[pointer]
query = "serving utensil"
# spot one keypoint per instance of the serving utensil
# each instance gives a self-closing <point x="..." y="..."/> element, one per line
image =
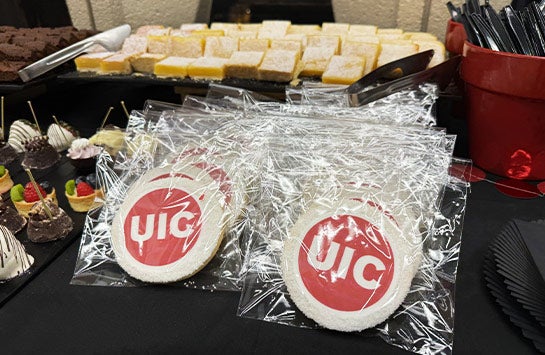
<point x="401" y="67"/>
<point x="441" y="74"/>
<point x="112" y="40"/>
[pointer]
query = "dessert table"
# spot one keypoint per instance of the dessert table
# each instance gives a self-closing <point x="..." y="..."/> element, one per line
<point x="49" y="315"/>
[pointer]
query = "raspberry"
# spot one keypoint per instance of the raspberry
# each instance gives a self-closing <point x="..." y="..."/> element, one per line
<point x="84" y="189"/>
<point x="30" y="194"/>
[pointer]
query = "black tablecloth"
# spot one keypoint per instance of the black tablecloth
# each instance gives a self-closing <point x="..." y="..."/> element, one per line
<point x="51" y="316"/>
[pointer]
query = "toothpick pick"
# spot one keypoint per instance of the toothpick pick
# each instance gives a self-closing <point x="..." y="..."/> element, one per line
<point x="106" y="117"/>
<point x="34" y="115"/>
<point x="125" y="109"/>
<point x="2" y="109"/>
<point x="35" y="185"/>
<point x="60" y="127"/>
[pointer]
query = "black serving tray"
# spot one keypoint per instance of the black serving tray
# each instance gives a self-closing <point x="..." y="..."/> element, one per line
<point x="150" y="79"/>
<point x="43" y="253"/>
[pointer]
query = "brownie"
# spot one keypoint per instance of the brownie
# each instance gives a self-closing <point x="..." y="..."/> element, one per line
<point x="39" y="49"/>
<point x="8" y="70"/>
<point x="14" y="52"/>
<point x="4" y="29"/>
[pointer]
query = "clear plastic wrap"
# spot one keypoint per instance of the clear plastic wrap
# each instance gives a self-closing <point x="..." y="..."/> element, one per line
<point x="329" y="216"/>
<point x="183" y="160"/>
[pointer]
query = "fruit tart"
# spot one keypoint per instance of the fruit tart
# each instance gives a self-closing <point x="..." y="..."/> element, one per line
<point x="81" y="193"/>
<point x="24" y="198"/>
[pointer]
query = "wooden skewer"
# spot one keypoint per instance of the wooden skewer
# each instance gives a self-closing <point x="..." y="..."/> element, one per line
<point x="34" y="115"/>
<point x="2" y="110"/>
<point x="106" y="117"/>
<point x="60" y="127"/>
<point x="35" y="185"/>
<point x="125" y="109"/>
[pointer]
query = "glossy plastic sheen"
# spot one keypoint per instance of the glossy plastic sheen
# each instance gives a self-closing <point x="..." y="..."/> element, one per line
<point x="505" y="105"/>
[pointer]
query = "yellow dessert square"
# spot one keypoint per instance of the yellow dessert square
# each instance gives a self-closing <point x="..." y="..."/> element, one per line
<point x="116" y="64"/>
<point x="189" y="47"/>
<point x="145" y="30"/>
<point x="145" y="62"/>
<point x="207" y="68"/>
<point x="390" y="36"/>
<point x="301" y="37"/>
<point x="158" y="44"/>
<point x="188" y="28"/>
<point x="244" y="65"/>
<point x="343" y="70"/>
<point x="315" y="60"/>
<point x="288" y="45"/>
<point x="207" y="33"/>
<point x="325" y="41"/>
<point x="363" y="38"/>
<point x="91" y="61"/>
<point x="272" y="29"/>
<point x="419" y="35"/>
<point x="135" y="44"/>
<point x="369" y="51"/>
<point x="253" y="44"/>
<point x="394" y="50"/>
<point x="278" y="65"/>
<point x="224" y="26"/>
<point x="389" y="31"/>
<point x="253" y="27"/>
<point x="335" y="28"/>
<point x="362" y="29"/>
<point x="221" y="47"/>
<point x="305" y="29"/>
<point x="240" y="34"/>
<point x="438" y="48"/>
<point x="173" y="67"/>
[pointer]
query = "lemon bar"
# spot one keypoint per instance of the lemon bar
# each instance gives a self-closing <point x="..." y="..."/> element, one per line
<point x="91" y="61"/>
<point x="158" y="44"/>
<point x="145" y="62"/>
<point x="305" y="29"/>
<point x="278" y="65"/>
<point x="335" y="28"/>
<point x="369" y="51"/>
<point x="394" y="50"/>
<point x="253" y="44"/>
<point x="189" y="47"/>
<point x="419" y="36"/>
<point x="273" y="29"/>
<point x="343" y="70"/>
<point x="188" y="28"/>
<point x="363" y="29"/>
<point x="135" y="44"/>
<point x="207" y="68"/>
<point x="224" y="26"/>
<point x="254" y="27"/>
<point x="244" y="65"/>
<point x="438" y="50"/>
<point x="207" y="33"/>
<point x="389" y="31"/>
<point x="116" y="64"/>
<point x="325" y="41"/>
<point x="173" y="66"/>
<point x="289" y="45"/>
<point x="146" y="29"/>
<point x="221" y="47"/>
<point x="240" y="34"/>
<point x="315" y="60"/>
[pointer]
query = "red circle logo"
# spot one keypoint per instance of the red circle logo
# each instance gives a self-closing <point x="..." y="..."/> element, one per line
<point x="162" y="226"/>
<point x="346" y="263"/>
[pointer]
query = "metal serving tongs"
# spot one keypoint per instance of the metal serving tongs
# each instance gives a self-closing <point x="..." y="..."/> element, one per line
<point x="441" y="74"/>
<point x="112" y="40"/>
<point x="401" y="67"/>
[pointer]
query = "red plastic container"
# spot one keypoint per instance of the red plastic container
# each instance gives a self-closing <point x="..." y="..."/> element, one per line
<point x="455" y="37"/>
<point x="505" y="109"/>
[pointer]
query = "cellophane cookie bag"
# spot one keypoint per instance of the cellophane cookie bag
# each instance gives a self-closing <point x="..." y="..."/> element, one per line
<point x="172" y="162"/>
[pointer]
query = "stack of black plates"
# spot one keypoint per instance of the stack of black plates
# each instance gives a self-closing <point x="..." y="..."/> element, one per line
<point x="514" y="270"/>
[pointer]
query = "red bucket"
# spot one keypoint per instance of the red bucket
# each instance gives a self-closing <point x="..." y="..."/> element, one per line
<point x="455" y="37"/>
<point x="505" y="109"/>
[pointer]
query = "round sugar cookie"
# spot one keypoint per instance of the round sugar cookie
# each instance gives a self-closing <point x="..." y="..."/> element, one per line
<point x="347" y="265"/>
<point x="168" y="230"/>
